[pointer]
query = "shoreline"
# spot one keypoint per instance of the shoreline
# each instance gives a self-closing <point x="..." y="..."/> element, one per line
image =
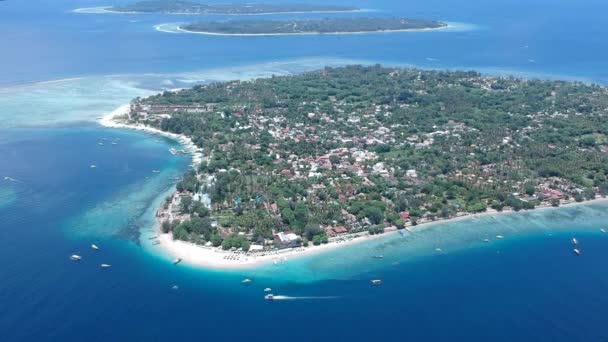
<point x="180" y="29"/>
<point x="105" y="9"/>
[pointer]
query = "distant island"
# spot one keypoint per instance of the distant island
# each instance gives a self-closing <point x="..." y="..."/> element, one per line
<point x="190" y="7"/>
<point x="326" y="156"/>
<point x="312" y="26"/>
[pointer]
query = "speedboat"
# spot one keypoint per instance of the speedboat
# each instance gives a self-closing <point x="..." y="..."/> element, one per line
<point x="376" y="282"/>
<point x="95" y="247"/>
<point x="177" y="261"/>
<point x="574" y="241"/>
<point x="246" y="281"/>
<point x="269" y="296"/>
<point x="576" y="251"/>
<point x="105" y="265"/>
<point x="75" y="257"/>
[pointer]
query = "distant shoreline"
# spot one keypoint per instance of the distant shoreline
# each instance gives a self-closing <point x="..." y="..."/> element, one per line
<point x="180" y="29"/>
<point x="107" y="9"/>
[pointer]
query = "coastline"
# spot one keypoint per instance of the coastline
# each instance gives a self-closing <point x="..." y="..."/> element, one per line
<point x="180" y="29"/>
<point x="217" y="259"/>
<point x="105" y="9"/>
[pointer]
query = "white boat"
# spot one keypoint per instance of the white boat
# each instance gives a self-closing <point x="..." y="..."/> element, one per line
<point x="376" y="282"/>
<point x="95" y="247"/>
<point x="177" y="261"/>
<point x="155" y="171"/>
<point x="268" y="289"/>
<point x="602" y="230"/>
<point x="100" y="144"/>
<point x="269" y="296"/>
<point x="93" y="166"/>
<point x="438" y="249"/>
<point x="246" y="281"/>
<point x="105" y="265"/>
<point x="486" y="240"/>
<point x="114" y="143"/>
<point x="576" y="251"/>
<point x="500" y="237"/>
<point x="75" y="257"/>
<point x="574" y="241"/>
<point x="175" y="287"/>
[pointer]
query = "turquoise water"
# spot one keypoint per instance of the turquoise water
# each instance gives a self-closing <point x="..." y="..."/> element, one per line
<point x="527" y="286"/>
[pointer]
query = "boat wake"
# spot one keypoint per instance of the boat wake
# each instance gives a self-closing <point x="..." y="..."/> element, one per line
<point x="303" y="297"/>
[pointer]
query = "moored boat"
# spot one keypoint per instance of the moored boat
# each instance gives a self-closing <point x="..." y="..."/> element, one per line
<point x="378" y="256"/>
<point x="95" y="247"/>
<point x="177" y="261"/>
<point x="268" y="289"/>
<point x="269" y="296"/>
<point x="602" y="230"/>
<point x="105" y="265"/>
<point x="574" y="241"/>
<point x="500" y="237"/>
<point x="75" y="257"/>
<point x="576" y="251"/>
<point x="246" y="281"/>
<point x="376" y="281"/>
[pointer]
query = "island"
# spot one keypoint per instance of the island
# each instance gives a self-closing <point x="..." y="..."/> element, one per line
<point x="190" y="7"/>
<point x="311" y="26"/>
<point x="295" y="162"/>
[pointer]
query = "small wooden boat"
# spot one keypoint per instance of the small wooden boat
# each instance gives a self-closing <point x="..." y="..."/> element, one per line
<point x="576" y="251"/>
<point x="75" y="257"/>
<point x="376" y="282"/>
<point x="105" y="265"/>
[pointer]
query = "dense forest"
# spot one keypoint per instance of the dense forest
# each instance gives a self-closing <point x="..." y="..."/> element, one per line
<point x="328" y="25"/>
<point x="191" y="7"/>
<point x="371" y="147"/>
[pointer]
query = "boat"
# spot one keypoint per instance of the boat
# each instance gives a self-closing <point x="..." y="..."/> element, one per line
<point x="173" y="151"/>
<point x="153" y="237"/>
<point x="269" y="296"/>
<point x="155" y="171"/>
<point x="75" y="257"/>
<point x="95" y="247"/>
<point x="576" y="251"/>
<point x="378" y="256"/>
<point x="574" y="241"/>
<point x="105" y="265"/>
<point x="175" y="287"/>
<point x="408" y="229"/>
<point x="100" y="144"/>
<point x="246" y="281"/>
<point x="438" y="249"/>
<point x="177" y="261"/>
<point x="486" y="240"/>
<point x="500" y="237"/>
<point x="268" y="289"/>
<point x="93" y="166"/>
<point x="602" y="230"/>
<point x="114" y="143"/>
<point x="376" y="282"/>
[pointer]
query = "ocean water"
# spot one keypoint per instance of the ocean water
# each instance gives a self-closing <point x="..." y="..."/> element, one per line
<point x="61" y="70"/>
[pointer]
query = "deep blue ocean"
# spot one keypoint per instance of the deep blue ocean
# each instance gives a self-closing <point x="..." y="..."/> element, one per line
<point x="60" y="70"/>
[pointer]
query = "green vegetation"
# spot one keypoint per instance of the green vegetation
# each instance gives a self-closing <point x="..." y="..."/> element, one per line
<point x="191" y="7"/>
<point x="363" y="148"/>
<point x="327" y="25"/>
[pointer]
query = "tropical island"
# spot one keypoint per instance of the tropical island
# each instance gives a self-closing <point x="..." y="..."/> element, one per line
<point x="357" y="151"/>
<point x="191" y="7"/>
<point x="311" y="26"/>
